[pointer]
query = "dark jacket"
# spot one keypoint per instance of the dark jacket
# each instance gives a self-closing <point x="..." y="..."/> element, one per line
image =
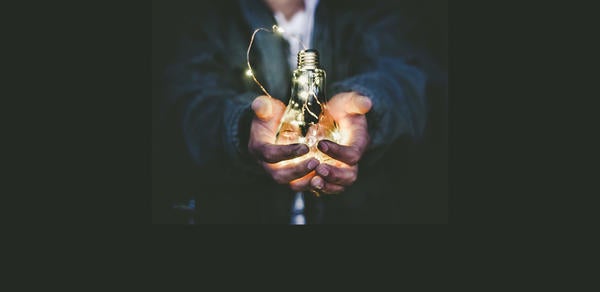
<point x="211" y="97"/>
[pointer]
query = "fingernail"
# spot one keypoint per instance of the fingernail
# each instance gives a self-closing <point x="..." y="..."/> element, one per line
<point x="302" y="149"/>
<point x="323" y="146"/>
<point x="364" y="102"/>
<point x="312" y="164"/>
<point x="323" y="171"/>
<point x="257" y="104"/>
<point x="318" y="182"/>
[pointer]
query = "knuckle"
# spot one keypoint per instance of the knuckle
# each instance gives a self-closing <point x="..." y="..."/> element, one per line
<point x="353" y="159"/>
<point x="269" y="158"/>
<point x="353" y="156"/>
<point x="335" y="191"/>
<point x="333" y="174"/>
<point x="268" y="154"/>
<point x="334" y="147"/>
<point x="252" y="147"/>
<point x="300" y="169"/>
<point x="290" y="150"/>
<point x="279" y="178"/>
<point x="353" y="177"/>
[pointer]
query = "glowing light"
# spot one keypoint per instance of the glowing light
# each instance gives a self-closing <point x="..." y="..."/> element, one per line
<point x="275" y="30"/>
<point x="284" y="163"/>
<point x="303" y="79"/>
<point x="336" y="136"/>
<point x="303" y="95"/>
<point x="278" y="29"/>
<point x="312" y="140"/>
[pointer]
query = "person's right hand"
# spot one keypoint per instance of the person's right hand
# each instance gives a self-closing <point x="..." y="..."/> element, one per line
<point x="276" y="159"/>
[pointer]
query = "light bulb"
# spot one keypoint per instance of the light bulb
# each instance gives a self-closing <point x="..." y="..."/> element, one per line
<point x="306" y="118"/>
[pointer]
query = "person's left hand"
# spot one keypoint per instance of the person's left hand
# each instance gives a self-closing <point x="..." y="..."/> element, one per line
<point x="348" y="109"/>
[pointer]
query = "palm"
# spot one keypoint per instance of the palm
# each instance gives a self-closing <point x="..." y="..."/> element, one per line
<point x="339" y="168"/>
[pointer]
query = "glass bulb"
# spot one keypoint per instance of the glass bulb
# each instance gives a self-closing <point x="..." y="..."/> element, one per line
<point x="306" y="118"/>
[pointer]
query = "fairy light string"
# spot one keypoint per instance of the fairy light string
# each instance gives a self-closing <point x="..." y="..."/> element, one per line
<point x="277" y="31"/>
<point x="250" y="71"/>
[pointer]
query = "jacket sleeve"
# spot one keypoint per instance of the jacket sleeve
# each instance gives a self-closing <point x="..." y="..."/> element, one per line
<point x="382" y="68"/>
<point x="212" y="107"/>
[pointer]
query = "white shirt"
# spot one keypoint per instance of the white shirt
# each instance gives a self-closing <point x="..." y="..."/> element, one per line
<point x="300" y="25"/>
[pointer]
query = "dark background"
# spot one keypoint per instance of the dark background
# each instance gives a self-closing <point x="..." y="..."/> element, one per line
<point x="426" y="25"/>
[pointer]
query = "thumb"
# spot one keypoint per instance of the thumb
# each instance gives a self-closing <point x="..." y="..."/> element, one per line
<point x="358" y="105"/>
<point x="262" y="107"/>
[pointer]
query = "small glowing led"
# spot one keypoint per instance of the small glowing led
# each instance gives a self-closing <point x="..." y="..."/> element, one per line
<point x="303" y="79"/>
<point x="311" y="141"/>
<point x="249" y="73"/>
<point x="303" y="95"/>
<point x="336" y="136"/>
<point x="278" y="29"/>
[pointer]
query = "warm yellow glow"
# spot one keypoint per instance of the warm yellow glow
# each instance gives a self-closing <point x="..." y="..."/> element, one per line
<point x="285" y="163"/>
<point x="249" y="73"/>
<point x="303" y="79"/>
<point x="336" y="136"/>
<point x="303" y="95"/>
<point x="278" y="29"/>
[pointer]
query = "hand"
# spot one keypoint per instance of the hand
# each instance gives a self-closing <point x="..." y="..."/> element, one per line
<point x="275" y="159"/>
<point x="348" y="109"/>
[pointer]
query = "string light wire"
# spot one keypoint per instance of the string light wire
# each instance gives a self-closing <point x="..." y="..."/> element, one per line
<point x="275" y="30"/>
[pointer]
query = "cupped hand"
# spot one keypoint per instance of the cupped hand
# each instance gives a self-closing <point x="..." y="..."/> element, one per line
<point x="334" y="175"/>
<point x="282" y="162"/>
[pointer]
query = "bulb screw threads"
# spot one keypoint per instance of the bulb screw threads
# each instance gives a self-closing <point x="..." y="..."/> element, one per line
<point x="308" y="59"/>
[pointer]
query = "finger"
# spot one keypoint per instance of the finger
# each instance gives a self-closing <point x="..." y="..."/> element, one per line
<point x="358" y="105"/>
<point x="272" y="153"/>
<point x="262" y="107"/>
<point x="324" y="187"/>
<point x="286" y="174"/>
<point x="344" y="176"/>
<point x="347" y="154"/>
<point x="349" y="103"/>
<point x="354" y="131"/>
<point x="267" y="108"/>
<point x="302" y="184"/>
